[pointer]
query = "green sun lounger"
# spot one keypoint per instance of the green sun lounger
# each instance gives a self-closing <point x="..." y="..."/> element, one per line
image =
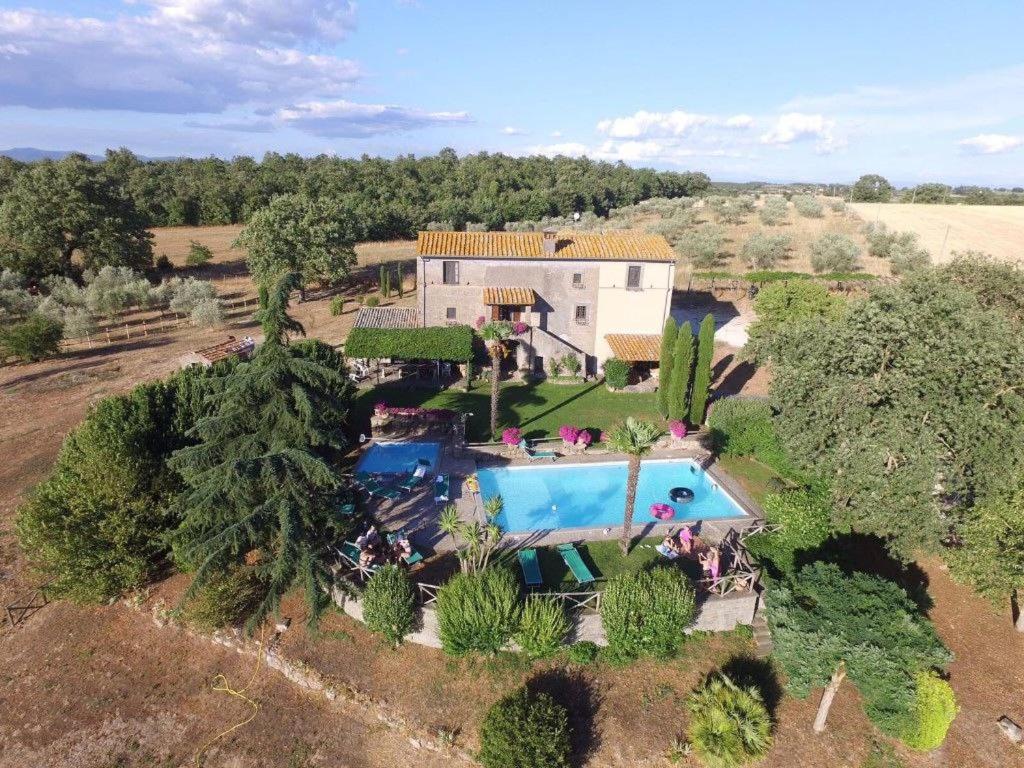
<point x="347" y="510"/>
<point x="350" y="552"/>
<point x="411" y="559"/>
<point x="574" y="560"/>
<point x="533" y="453"/>
<point x="416" y="477"/>
<point x="530" y="566"/>
<point x="442" y="488"/>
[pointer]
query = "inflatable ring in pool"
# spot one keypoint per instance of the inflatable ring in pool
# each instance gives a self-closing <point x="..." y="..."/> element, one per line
<point x="662" y="511"/>
<point x="681" y="495"/>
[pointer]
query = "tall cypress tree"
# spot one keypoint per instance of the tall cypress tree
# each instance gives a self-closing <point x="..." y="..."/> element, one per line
<point x="682" y="370"/>
<point x="262" y="483"/>
<point x="702" y="374"/>
<point x="668" y="343"/>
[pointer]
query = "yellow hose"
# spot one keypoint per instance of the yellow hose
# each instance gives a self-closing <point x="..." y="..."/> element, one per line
<point x="220" y="683"/>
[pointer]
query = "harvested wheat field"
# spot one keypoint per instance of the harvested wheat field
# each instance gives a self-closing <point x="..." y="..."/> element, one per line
<point x="943" y="229"/>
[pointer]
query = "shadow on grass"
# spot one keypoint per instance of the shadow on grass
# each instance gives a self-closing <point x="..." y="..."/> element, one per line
<point x="579" y="694"/>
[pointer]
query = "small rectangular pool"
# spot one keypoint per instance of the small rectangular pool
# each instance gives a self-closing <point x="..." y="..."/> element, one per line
<point x="594" y="495"/>
<point x="399" y="457"/>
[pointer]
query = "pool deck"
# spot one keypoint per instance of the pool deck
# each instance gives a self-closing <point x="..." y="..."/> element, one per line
<point x="418" y="513"/>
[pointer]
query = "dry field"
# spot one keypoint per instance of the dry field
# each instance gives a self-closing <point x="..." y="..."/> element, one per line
<point x="943" y="229"/>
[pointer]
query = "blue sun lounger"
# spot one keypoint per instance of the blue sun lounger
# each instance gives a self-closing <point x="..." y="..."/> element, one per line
<point x="530" y="566"/>
<point x="574" y="560"/>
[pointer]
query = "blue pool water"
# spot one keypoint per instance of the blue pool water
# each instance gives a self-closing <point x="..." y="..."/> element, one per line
<point x="594" y="495"/>
<point x="398" y="458"/>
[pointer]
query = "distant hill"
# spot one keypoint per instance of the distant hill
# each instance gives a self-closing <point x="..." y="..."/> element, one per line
<point x="31" y="154"/>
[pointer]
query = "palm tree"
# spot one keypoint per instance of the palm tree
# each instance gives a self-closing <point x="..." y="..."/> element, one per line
<point x="495" y="334"/>
<point x="636" y="439"/>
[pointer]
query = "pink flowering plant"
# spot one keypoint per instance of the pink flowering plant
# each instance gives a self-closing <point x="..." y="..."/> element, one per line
<point x="584" y="437"/>
<point x="480" y="322"/>
<point x="511" y="436"/>
<point x="380" y="409"/>
<point x="568" y="433"/>
<point x="426" y="414"/>
<point x="677" y="429"/>
<point x="519" y="328"/>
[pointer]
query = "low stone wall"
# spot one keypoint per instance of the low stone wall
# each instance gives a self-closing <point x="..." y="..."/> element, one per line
<point x="718" y="613"/>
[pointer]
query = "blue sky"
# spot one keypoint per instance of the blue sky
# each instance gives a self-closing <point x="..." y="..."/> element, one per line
<point x="742" y="90"/>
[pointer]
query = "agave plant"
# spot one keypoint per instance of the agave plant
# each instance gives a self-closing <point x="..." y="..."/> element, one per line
<point x="729" y="724"/>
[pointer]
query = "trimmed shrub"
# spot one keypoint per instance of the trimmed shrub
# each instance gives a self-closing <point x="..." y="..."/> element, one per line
<point x="371" y="300"/>
<point x="572" y="364"/>
<point x="702" y="370"/>
<point x="454" y="343"/>
<point x="337" y="305"/>
<point x="804" y="518"/>
<point x="934" y="710"/>
<point x="389" y="604"/>
<point x="808" y="206"/>
<point x="198" y="254"/>
<point x="645" y="613"/>
<point x="525" y="731"/>
<point x="583" y="652"/>
<point x="729" y="725"/>
<point x="834" y="252"/>
<point x="743" y="426"/>
<point x="678" y="396"/>
<point x="763" y="251"/>
<point x="224" y="601"/>
<point x="478" y="611"/>
<point x="32" y="339"/>
<point x="616" y="373"/>
<point x="542" y="627"/>
<point x="774" y="211"/>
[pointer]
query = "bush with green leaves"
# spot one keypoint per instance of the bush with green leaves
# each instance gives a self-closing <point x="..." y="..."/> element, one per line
<point x="774" y="211"/>
<point x="729" y="724"/>
<point x="337" y="305"/>
<point x="825" y="622"/>
<point x="97" y="524"/>
<point x="808" y="206"/>
<point x="702" y="245"/>
<point x="190" y="293"/>
<point x="31" y="339"/>
<point x="198" y="254"/>
<point x="763" y="251"/>
<point x="803" y="518"/>
<point x="906" y="255"/>
<point x="934" y="709"/>
<point x="583" y="652"/>
<point x="616" y="373"/>
<point x="744" y="426"/>
<point x="879" y="239"/>
<point x="555" y="366"/>
<point x="478" y="612"/>
<point x="543" y="626"/>
<point x="224" y="601"/>
<point x="782" y="307"/>
<point x="646" y="613"/>
<point x="835" y="252"/>
<point x="207" y="313"/>
<point x="837" y="206"/>
<point x="572" y="364"/>
<point x="525" y="730"/>
<point x="389" y="605"/>
<point x="114" y="289"/>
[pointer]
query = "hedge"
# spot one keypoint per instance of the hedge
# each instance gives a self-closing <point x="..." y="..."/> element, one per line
<point x="454" y="343"/>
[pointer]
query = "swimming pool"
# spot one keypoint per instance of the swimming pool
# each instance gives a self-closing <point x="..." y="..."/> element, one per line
<point x="594" y="495"/>
<point x="398" y="458"/>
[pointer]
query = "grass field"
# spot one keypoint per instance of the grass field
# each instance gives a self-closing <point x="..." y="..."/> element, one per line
<point x="943" y="229"/>
<point x="538" y="409"/>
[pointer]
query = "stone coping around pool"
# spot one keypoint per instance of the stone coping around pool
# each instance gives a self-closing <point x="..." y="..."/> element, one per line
<point x="715" y="613"/>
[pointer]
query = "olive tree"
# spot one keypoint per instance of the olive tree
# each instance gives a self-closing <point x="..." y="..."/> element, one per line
<point x="834" y="252"/>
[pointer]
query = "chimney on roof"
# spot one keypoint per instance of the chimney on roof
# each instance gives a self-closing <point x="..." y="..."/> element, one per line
<point x="550" y="240"/>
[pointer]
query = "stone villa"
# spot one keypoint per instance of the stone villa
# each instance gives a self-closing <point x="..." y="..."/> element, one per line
<point x="595" y="295"/>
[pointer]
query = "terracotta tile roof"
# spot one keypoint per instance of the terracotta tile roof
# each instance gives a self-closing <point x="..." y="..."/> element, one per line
<point x="387" y="317"/>
<point x="635" y="347"/>
<point x="605" y="246"/>
<point x="209" y="355"/>
<point x="515" y="296"/>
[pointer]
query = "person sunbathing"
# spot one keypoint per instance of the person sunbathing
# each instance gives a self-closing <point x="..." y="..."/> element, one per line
<point x="401" y="548"/>
<point x="685" y="540"/>
<point x="670" y="547"/>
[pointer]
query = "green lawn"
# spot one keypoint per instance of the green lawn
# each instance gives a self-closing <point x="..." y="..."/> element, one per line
<point x="605" y="560"/>
<point x="756" y="478"/>
<point x="538" y="409"/>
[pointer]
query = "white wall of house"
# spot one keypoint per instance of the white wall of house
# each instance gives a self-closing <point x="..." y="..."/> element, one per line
<point x="632" y="310"/>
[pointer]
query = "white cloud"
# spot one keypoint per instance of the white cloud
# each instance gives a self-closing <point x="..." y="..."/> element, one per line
<point x="991" y="143"/>
<point x="556" y="134"/>
<point x="667" y="151"/>
<point x="643" y="123"/>
<point x="509" y="130"/>
<point x="261" y="21"/>
<point x="164" y="62"/>
<point x="738" y="121"/>
<point x="346" y="119"/>
<point x="799" y="126"/>
<point x="567" y="148"/>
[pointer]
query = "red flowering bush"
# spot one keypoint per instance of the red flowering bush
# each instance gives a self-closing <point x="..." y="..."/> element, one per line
<point x="678" y="429"/>
<point x="568" y="433"/>
<point x="511" y="436"/>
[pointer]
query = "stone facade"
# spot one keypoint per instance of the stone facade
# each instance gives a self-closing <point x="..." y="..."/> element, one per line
<point x="578" y="302"/>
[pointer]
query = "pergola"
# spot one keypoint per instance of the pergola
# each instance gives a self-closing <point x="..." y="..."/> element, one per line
<point x="635" y="347"/>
